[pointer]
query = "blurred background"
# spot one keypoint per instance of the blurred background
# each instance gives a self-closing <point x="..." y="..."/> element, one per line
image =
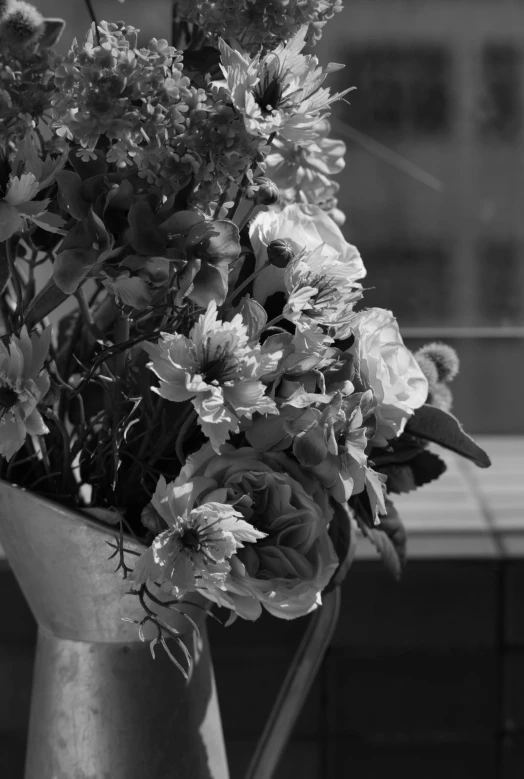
<point x="425" y="676"/>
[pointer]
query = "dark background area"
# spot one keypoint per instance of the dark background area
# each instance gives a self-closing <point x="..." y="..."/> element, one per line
<point x="423" y="678"/>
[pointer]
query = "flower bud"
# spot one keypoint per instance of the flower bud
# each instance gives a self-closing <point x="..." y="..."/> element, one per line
<point x="280" y="253"/>
<point x="262" y="191"/>
<point x="23" y="24"/>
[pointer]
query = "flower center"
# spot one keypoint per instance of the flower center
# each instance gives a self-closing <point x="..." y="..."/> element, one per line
<point x="218" y="364"/>
<point x="8" y="398"/>
<point x="191" y="538"/>
<point x="268" y="94"/>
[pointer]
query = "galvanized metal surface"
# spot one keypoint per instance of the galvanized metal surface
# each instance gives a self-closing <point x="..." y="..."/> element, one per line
<point x="102" y="708"/>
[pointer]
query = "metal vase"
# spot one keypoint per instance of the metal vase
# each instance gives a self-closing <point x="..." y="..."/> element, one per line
<point x="101" y="707"/>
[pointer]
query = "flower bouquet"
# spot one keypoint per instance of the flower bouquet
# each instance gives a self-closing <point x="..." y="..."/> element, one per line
<point x="185" y="355"/>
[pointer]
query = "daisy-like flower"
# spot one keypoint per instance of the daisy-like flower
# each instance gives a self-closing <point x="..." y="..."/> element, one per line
<point x="22" y="385"/>
<point x="281" y="92"/>
<point x="322" y="291"/>
<point x="194" y="552"/>
<point x="17" y="204"/>
<point x="219" y="369"/>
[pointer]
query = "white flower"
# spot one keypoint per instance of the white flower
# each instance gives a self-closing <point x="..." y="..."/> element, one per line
<point x="218" y="369"/>
<point x="322" y="291"/>
<point x="193" y="554"/>
<point x="280" y="93"/>
<point x="305" y="227"/>
<point x="389" y="369"/>
<point x="22" y="386"/>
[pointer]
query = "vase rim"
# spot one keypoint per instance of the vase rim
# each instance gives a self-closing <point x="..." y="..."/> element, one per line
<point x="87" y="519"/>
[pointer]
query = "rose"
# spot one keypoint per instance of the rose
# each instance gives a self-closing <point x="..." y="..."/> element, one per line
<point x="389" y="369"/>
<point x="304" y="227"/>
<point x="287" y="569"/>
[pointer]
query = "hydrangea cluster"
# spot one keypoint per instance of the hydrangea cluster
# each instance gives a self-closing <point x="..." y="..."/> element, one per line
<point x="258" y="25"/>
<point x="221" y="385"/>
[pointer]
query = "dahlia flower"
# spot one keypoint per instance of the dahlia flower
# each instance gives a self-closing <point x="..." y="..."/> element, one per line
<point x="279" y="93"/>
<point x="321" y="291"/>
<point x="194" y="552"/>
<point x="22" y="385"/>
<point x="218" y="369"/>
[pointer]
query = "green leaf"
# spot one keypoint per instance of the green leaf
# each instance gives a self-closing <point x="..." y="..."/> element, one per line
<point x="70" y="189"/>
<point x="433" y="424"/>
<point x="144" y="235"/>
<point x="389" y="539"/>
<point x="75" y="257"/>
<point x="49" y="298"/>
<point x="10" y="221"/>
<point x="53" y="29"/>
<point x="253" y="315"/>
<point x="421" y="469"/>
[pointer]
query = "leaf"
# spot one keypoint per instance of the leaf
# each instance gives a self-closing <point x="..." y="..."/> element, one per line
<point x="144" y="235"/>
<point x="254" y="317"/>
<point x="376" y="492"/>
<point x="10" y="221"/>
<point x="433" y="424"/>
<point x="53" y="223"/>
<point x="341" y="532"/>
<point x="49" y="298"/>
<point x="70" y="189"/>
<point x="421" y="469"/>
<point x="389" y="539"/>
<point x="76" y="257"/>
<point x="53" y="29"/>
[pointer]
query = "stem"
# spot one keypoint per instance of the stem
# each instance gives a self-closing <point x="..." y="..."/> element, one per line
<point x="220" y="203"/>
<point x="179" y="445"/>
<point x="244" y="284"/>
<point x="247" y="216"/>
<point x="15" y="278"/>
<point x="65" y="450"/>
<point x="92" y="15"/>
<point x="121" y="336"/>
<point x="273" y="322"/>
<point x="294" y="691"/>
<point x="86" y="313"/>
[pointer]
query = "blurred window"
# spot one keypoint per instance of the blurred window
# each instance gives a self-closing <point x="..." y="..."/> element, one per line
<point x="414" y="281"/>
<point x="400" y="90"/>
<point x="501" y="286"/>
<point x="500" y="107"/>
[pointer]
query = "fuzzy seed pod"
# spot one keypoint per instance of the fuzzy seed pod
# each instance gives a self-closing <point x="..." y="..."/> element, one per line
<point x="428" y="368"/>
<point x="5" y="7"/>
<point x="23" y="25"/>
<point x="440" y="396"/>
<point x="263" y="191"/>
<point x="444" y="357"/>
<point x="280" y="253"/>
